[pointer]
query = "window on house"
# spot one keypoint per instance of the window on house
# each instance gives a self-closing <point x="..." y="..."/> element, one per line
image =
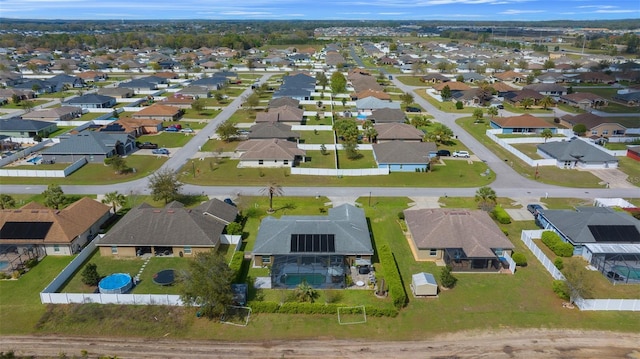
<point x="56" y="248"/>
<point x="187" y="250"/>
<point x="286" y="162"/>
<point x="605" y="132"/>
<point x="433" y="252"/>
<point x="266" y="259"/>
<point x="114" y="249"/>
<point x="594" y="132"/>
<point x="260" y="162"/>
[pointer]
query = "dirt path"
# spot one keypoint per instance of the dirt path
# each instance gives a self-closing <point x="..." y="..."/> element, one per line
<point x="499" y="344"/>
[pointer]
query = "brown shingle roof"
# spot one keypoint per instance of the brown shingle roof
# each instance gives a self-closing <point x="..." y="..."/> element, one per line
<point x="473" y="231"/>
<point x="453" y="86"/>
<point x="158" y="110"/>
<point x="273" y="149"/>
<point x="398" y="131"/>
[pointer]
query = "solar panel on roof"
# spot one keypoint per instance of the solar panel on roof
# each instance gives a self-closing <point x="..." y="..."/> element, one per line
<point x="611" y="233"/>
<point x="25" y="230"/>
<point x="312" y="243"/>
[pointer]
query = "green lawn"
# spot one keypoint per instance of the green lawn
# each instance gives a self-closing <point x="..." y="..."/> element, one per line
<point x="224" y="172"/>
<point x="411" y="80"/>
<point x="19" y="105"/>
<point x="243" y="116"/>
<point x="90" y="116"/>
<point x="167" y="139"/>
<point x="315" y="159"/>
<point x="316" y="137"/>
<point x="205" y="114"/>
<point x="632" y="168"/>
<point x="546" y="174"/>
<point x="214" y="145"/>
<point x="94" y="173"/>
<point x="529" y="149"/>
<point x="364" y="160"/>
<point x="446" y="106"/>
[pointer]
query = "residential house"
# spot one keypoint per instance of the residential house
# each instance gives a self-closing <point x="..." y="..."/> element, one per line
<point x="522" y="124"/>
<point x="139" y="85"/>
<point x="515" y="97"/>
<point x="546" y="89"/>
<point x="400" y="156"/>
<point x="284" y="101"/>
<point x="17" y="127"/>
<point x="298" y="86"/>
<point x="139" y="126"/>
<point x="63" y="113"/>
<point x="597" y="126"/>
<point x="381" y="95"/>
<point x="371" y="103"/>
<point x="607" y="239"/>
<point x="466" y="240"/>
<point x="634" y="152"/>
<point x="628" y="98"/>
<point x="116" y="92"/>
<point x="211" y="83"/>
<point x="316" y="249"/>
<point x="434" y="78"/>
<point x="195" y="92"/>
<point x="397" y="132"/>
<point x="387" y="115"/>
<point x="20" y="95"/>
<point x="170" y="231"/>
<point x="39" y="86"/>
<point x="92" y="101"/>
<point x="93" y="76"/>
<point x="53" y="231"/>
<point x="472" y="97"/>
<point x="286" y="114"/>
<point x="68" y="81"/>
<point x="269" y="153"/>
<point x="268" y="130"/>
<point x="160" y="112"/>
<point x="511" y="76"/>
<point x="584" y="100"/>
<point x="178" y="100"/>
<point x="596" y="78"/>
<point x="94" y="146"/>
<point x="577" y="154"/>
<point x="453" y="86"/>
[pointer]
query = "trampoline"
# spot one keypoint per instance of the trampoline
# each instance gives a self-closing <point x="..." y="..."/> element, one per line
<point x="164" y="277"/>
<point x="117" y="283"/>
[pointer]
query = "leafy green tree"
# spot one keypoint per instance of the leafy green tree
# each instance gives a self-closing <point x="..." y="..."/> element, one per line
<point x="164" y="185"/>
<point x="459" y="78"/>
<point x="338" y="82"/>
<point x="492" y="111"/>
<point x="459" y="105"/>
<point x="305" y="292"/>
<point x="548" y="64"/>
<point x="446" y="277"/>
<point x="577" y="280"/>
<point x="54" y="196"/>
<point x="206" y="283"/>
<point x="114" y="199"/>
<point x="198" y="105"/>
<point x="351" y="148"/>
<point x="252" y="101"/>
<point x="527" y="102"/>
<point x="446" y="93"/>
<point x="547" y="134"/>
<point x="218" y="97"/>
<point x="27" y="105"/>
<point x="486" y="198"/>
<point x="6" y="201"/>
<point x="478" y="114"/>
<point x="323" y="149"/>
<point x="580" y="129"/>
<point x="117" y="163"/>
<point x="371" y="133"/>
<point x="347" y="129"/>
<point x="272" y="189"/>
<point x="227" y="131"/>
<point x="406" y="98"/>
<point x="90" y="275"/>
<point x="322" y="80"/>
<point x="234" y="228"/>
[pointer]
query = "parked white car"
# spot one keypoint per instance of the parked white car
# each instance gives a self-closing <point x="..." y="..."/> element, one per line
<point x="464" y="154"/>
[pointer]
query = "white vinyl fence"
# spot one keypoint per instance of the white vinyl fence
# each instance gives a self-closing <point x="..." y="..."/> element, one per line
<point x="338" y="172"/>
<point x="583" y="304"/>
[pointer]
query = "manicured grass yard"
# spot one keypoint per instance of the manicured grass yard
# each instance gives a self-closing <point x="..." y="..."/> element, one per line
<point x="96" y="173"/>
<point x="529" y="149"/>
<point x="316" y="137"/>
<point x="315" y="159"/>
<point x="167" y="139"/>
<point x="365" y="160"/>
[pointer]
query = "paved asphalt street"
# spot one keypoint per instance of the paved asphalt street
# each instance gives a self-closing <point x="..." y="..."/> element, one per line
<point x="508" y="183"/>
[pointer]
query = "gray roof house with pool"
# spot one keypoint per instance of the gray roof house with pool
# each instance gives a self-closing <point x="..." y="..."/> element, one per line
<point x="315" y="249"/>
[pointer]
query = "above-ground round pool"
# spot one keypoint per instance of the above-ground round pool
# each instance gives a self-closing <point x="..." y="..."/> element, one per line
<point x="116" y="283"/>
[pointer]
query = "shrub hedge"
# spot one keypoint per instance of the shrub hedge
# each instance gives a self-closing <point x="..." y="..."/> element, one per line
<point x="558" y="263"/>
<point x="553" y="241"/>
<point x="520" y="259"/>
<point x="560" y="288"/>
<point x="501" y="215"/>
<point x="236" y="266"/>
<point x="392" y="277"/>
<point x="314" y="308"/>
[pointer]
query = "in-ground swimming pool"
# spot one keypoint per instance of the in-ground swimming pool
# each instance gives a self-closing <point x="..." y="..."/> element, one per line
<point x="35" y="160"/>
<point x="116" y="283"/>
<point x="628" y="272"/>
<point x="3" y="265"/>
<point x="313" y="279"/>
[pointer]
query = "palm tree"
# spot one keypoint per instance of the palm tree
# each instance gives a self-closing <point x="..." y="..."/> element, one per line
<point x="527" y="102"/>
<point x="6" y="201"/>
<point x="272" y="189"/>
<point x="486" y="198"/>
<point x="546" y="102"/>
<point x="305" y="292"/>
<point x="115" y="199"/>
<point x="547" y="134"/>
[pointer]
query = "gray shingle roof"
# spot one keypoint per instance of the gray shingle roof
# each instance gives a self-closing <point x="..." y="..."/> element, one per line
<point x="173" y="225"/>
<point x="88" y="142"/>
<point x="396" y="152"/>
<point x="575" y="150"/>
<point x="574" y="224"/>
<point x="272" y="130"/>
<point x="18" y="124"/>
<point x="346" y="222"/>
<point x="91" y="99"/>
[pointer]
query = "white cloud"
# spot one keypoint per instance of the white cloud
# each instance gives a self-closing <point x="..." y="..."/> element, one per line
<point x="616" y="11"/>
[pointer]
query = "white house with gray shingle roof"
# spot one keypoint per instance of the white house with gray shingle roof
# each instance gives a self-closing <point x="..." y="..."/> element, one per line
<point x="315" y="249"/>
<point x="269" y="153"/>
<point x="400" y="156"/>
<point x="577" y="154"/>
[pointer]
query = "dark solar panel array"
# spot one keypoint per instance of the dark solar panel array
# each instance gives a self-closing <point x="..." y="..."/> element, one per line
<point x="609" y="233"/>
<point x="313" y="243"/>
<point x="25" y="230"/>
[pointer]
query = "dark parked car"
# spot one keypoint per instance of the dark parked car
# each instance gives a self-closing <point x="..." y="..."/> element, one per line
<point x="147" y="146"/>
<point x="229" y="201"/>
<point x="364" y="269"/>
<point x="413" y="109"/>
<point x="443" y="153"/>
<point x="535" y="209"/>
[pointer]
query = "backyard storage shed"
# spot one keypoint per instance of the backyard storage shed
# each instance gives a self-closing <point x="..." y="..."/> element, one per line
<point x="424" y="284"/>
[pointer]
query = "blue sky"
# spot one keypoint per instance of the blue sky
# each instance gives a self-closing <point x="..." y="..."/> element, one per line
<point x="323" y="9"/>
